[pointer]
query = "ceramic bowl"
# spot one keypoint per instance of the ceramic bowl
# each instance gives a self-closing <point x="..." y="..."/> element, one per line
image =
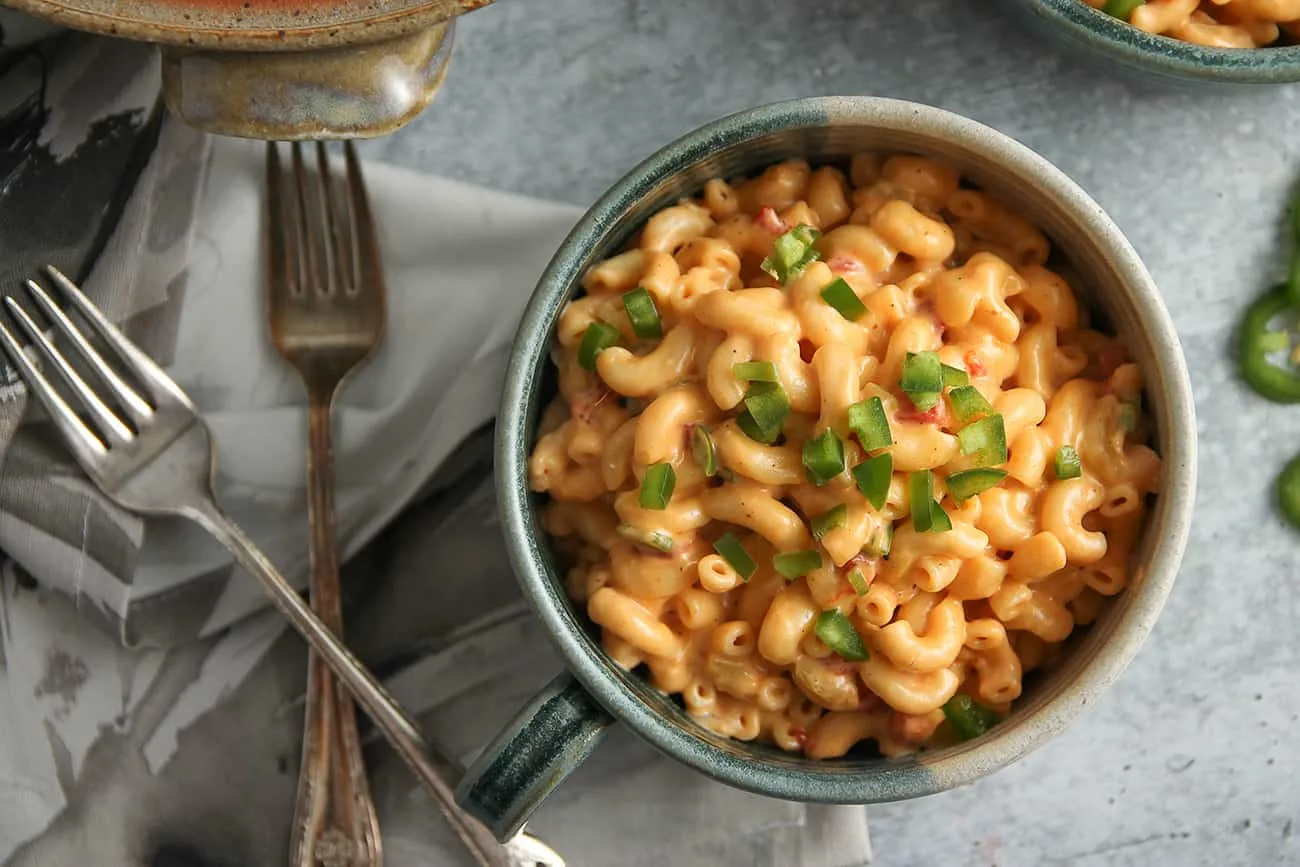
<point x="563" y="724"/>
<point x="1115" y="41"/>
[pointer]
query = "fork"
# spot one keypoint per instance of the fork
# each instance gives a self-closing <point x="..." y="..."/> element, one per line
<point x="154" y="456"/>
<point x="325" y="308"/>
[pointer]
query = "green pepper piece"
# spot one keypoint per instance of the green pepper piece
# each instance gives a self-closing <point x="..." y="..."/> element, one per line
<point x="968" y="483"/>
<point x="1066" y="464"/>
<point x="703" y="450"/>
<point x="755" y="371"/>
<point x="1293" y="276"/>
<point x="795" y="564"/>
<point x="954" y="377"/>
<point x="656" y="539"/>
<point x="880" y="542"/>
<point x="657" y="486"/>
<point x="767" y="406"/>
<point x="643" y="314"/>
<point x="868" y="422"/>
<point x="823" y="457"/>
<point x="840" y="295"/>
<point x="838" y="633"/>
<point x="792" y="253"/>
<point x="598" y="337"/>
<point x="1254" y="342"/>
<point x="968" y="404"/>
<point x="859" y="582"/>
<point x="1288" y="492"/>
<point x="1122" y="9"/>
<point x="751" y="429"/>
<point x="831" y="519"/>
<point x="968" y="718"/>
<point x="733" y="551"/>
<point x="920" y="491"/>
<point x="873" y="477"/>
<point x="922" y="378"/>
<point x="1293" y="273"/>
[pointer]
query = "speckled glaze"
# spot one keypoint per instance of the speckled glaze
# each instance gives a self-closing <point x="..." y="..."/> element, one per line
<point x="359" y="91"/>
<point x="1159" y="56"/>
<point x="1111" y="278"/>
<point x="249" y="25"/>
<point x="542" y="745"/>
<point x="274" y="69"/>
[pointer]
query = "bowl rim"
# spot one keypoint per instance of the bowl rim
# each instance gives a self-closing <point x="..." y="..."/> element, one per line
<point x="828" y="782"/>
<point x="1163" y="54"/>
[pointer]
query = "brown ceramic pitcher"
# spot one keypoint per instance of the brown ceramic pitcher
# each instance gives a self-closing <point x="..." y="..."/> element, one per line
<point x="275" y="69"/>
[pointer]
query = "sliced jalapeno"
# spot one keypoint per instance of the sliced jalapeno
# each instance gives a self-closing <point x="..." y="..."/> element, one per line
<point x="1288" y="492"/>
<point x="1257" y="339"/>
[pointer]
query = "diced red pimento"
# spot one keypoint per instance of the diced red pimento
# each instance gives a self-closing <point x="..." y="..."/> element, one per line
<point x="974" y="366"/>
<point x="769" y="219"/>
<point x="907" y="411"/>
<point x="1110" y="358"/>
<point x="845" y="265"/>
<point x="933" y="415"/>
<point x="799" y="735"/>
<point x="585" y="403"/>
<point x="807" y="350"/>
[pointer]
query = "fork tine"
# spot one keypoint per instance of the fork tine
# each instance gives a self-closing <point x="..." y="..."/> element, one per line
<point x="369" y="273"/>
<point x="155" y="380"/>
<point x="339" y="248"/>
<point x="109" y="425"/>
<point x="280" y="272"/>
<point x="134" y="405"/>
<point x="86" y="447"/>
<point x="308" y="244"/>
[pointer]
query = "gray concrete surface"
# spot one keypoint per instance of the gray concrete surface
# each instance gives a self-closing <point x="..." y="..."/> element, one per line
<point x="1192" y="758"/>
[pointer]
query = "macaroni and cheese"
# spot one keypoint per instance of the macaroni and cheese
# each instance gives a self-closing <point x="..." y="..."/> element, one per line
<point x="838" y="457"/>
<point x="1216" y="23"/>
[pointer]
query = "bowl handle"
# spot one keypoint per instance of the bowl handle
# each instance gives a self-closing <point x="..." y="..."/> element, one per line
<point x="357" y="91"/>
<point x="543" y="744"/>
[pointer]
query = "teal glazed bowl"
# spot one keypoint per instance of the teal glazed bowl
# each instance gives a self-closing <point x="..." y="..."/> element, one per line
<point x="1115" y="41"/>
<point x="552" y="735"/>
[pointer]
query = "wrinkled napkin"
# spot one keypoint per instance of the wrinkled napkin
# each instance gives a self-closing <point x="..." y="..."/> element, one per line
<point x="171" y="737"/>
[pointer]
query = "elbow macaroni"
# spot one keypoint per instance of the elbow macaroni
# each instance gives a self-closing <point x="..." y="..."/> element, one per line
<point x="1218" y="23"/>
<point x="938" y="266"/>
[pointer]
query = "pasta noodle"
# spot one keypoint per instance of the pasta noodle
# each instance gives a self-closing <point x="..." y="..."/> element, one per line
<point x="747" y="559"/>
<point x="1217" y="23"/>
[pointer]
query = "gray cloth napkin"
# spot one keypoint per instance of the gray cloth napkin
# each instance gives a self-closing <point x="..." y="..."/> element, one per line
<point x="182" y="273"/>
<point x="118" y="757"/>
<point x="171" y="738"/>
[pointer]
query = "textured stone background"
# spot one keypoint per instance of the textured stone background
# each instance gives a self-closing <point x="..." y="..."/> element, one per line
<point x="1186" y="761"/>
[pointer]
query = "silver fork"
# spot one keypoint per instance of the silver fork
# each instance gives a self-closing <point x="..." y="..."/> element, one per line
<point x="325" y="308"/>
<point x="154" y="455"/>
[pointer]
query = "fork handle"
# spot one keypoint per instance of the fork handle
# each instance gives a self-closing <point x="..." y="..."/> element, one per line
<point x="334" y="819"/>
<point x="434" y="771"/>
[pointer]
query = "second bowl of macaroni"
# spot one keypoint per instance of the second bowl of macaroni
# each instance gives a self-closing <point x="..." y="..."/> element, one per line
<point x="846" y="452"/>
<point x="1208" y="41"/>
